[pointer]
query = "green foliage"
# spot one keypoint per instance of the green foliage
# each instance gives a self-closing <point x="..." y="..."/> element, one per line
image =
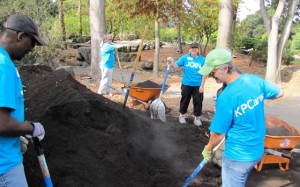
<point x="295" y="42"/>
<point x="200" y="20"/>
<point x="42" y="12"/>
<point x="168" y="34"/>
<point x="288" y="54"/>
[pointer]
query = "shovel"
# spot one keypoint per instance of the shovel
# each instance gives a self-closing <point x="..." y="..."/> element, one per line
<point x="157" y="107"/>
<point x="134" y="66"/>
<point x="201" y="165"/>
<point x="118" y="59"/>
<point x="42" y="162"/>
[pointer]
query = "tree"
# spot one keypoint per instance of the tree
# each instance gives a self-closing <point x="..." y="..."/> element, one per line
<point x="272" y="24"/>
<point x="79" y="18"/>
<point x="225" y="24"/>
<point x="201" y="20"/>
<point x="62" y="22"/>
<point x="98" y="29"/>
<point x="157" y="41"/>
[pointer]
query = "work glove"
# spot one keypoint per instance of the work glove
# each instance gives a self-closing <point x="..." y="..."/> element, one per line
<point x="23" y="144"/>
<point x="207" y="155"/>
<point x="170" y="61"/>
<point x="38" y="131"/>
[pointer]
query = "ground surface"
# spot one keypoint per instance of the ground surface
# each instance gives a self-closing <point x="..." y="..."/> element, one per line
<point x="92" y="141"/>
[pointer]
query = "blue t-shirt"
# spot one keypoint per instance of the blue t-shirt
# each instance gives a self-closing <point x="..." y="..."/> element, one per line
<point x="240" y="116"/>
<point x="191" y="66"/>
<point x="11" y="96"/>
<point x="107" y="53"/>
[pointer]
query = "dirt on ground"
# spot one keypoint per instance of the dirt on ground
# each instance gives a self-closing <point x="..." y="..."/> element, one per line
<point x="92" y="141"/>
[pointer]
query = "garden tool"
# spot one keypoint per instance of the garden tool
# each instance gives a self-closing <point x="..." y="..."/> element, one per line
<point x="118" y="59"/>
<point x="201" y="165"/>
<point x="42" y="162"/>
<point x="157" y="107"/>
<point x="134" y="66"/>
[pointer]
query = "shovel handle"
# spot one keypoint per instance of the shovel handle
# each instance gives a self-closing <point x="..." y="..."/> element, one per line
<point x="194" y="174"/>
<point x="165" y="80"/>
<point x="42" y="162"/>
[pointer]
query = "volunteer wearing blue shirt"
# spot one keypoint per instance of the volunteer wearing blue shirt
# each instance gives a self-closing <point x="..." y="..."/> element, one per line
<point x="192" y="83"/>
<point x="106" y="64"/>
<point x="239" y="116"/>
<point x="19" y="36"/>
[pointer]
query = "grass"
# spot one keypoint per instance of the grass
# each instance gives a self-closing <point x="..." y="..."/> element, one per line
<point x="296" y="62"/>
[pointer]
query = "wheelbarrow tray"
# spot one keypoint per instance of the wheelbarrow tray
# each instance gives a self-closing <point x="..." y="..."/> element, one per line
<point x="144" y="94"/>
<point x="281" y="142"/>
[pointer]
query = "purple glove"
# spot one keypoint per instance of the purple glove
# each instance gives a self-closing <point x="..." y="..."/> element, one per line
<point x="38" y="130"/>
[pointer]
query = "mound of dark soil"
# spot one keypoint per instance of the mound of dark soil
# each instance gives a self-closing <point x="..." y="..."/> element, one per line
<point x="92" y="141"/>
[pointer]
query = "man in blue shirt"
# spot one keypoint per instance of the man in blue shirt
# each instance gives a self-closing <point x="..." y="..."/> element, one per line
<point x="19" y="36"/>
<point x="106" y="64"/>
<point x="192" y="83"/>
<point x="239" y="117"/>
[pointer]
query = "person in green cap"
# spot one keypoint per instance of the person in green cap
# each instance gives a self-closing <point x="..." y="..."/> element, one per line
<point x="239" y="117"/>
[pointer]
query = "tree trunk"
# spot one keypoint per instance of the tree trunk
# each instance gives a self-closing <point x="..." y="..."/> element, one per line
<point x="225" y="24"/>
<point x="272" y="62"/>
<point x="62" y="22"/>
<point x="179" y="37"/>
<point x="98" y="29"/>
<point x="285" y="35"/>
<point x="266" y="17"/>
<point x="157" y="49"/>
<point x="79" y="18"/>
<point x="157" y="42"/>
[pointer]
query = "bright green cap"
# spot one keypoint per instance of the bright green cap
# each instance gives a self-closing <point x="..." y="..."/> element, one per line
<point x="215" y="58"/>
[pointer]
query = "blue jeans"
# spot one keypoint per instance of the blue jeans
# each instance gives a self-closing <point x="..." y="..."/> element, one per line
<point x="13" y="178"/>
<point x="235" y="173"/>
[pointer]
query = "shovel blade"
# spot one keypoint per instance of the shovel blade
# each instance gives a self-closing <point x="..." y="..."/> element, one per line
<point x="158" y="110"/>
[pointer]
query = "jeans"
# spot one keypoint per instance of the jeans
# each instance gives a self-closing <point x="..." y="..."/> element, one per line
<point x="14" y="178"/>
<point x="186" y="94"/>
<point x="235" y="173"/>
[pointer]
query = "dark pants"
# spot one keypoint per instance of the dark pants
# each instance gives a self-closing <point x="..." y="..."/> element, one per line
<point x="186" y="93"/>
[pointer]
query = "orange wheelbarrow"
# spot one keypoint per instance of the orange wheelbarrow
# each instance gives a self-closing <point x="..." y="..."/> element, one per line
<point x="280" y="144"/>
<point x="284" y="139"/>
<point x="144" y="95"/>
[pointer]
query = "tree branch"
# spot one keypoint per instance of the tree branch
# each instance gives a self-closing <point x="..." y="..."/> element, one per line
<point x="266" y="17"/>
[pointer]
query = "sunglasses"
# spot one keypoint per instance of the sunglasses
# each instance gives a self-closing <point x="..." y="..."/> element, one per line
<point x="33" y="40"/>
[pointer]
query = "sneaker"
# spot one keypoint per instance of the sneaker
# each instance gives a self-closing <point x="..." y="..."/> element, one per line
<point x="182" y="119"/>
<point x="197" y="121"/>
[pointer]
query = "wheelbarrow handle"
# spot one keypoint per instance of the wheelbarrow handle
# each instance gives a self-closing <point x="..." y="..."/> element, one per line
<point x="273" y="152"/>
<point x="295" y="150"/>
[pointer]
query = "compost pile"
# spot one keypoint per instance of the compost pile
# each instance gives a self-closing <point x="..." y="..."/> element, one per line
<point x="92" y="141"/>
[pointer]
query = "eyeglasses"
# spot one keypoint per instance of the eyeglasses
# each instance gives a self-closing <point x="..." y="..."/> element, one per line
<point x="212" y="73"/>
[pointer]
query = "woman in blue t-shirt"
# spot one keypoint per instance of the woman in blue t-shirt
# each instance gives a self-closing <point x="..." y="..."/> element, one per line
<point x="106" y="65"/>
<point x="192" y="83"/>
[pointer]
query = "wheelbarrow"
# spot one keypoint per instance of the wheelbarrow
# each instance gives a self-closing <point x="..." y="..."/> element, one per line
<point x="280" y="138"/>
<point x="143" y="95"/>
<point x="281" y="144"/>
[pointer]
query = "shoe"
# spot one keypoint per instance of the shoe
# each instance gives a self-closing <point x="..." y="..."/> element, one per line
<point x="197" y="121"/>
<point x="182" y="119"/>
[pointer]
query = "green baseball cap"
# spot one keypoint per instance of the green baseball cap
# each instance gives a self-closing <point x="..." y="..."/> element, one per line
<point x="215" y="58"/>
